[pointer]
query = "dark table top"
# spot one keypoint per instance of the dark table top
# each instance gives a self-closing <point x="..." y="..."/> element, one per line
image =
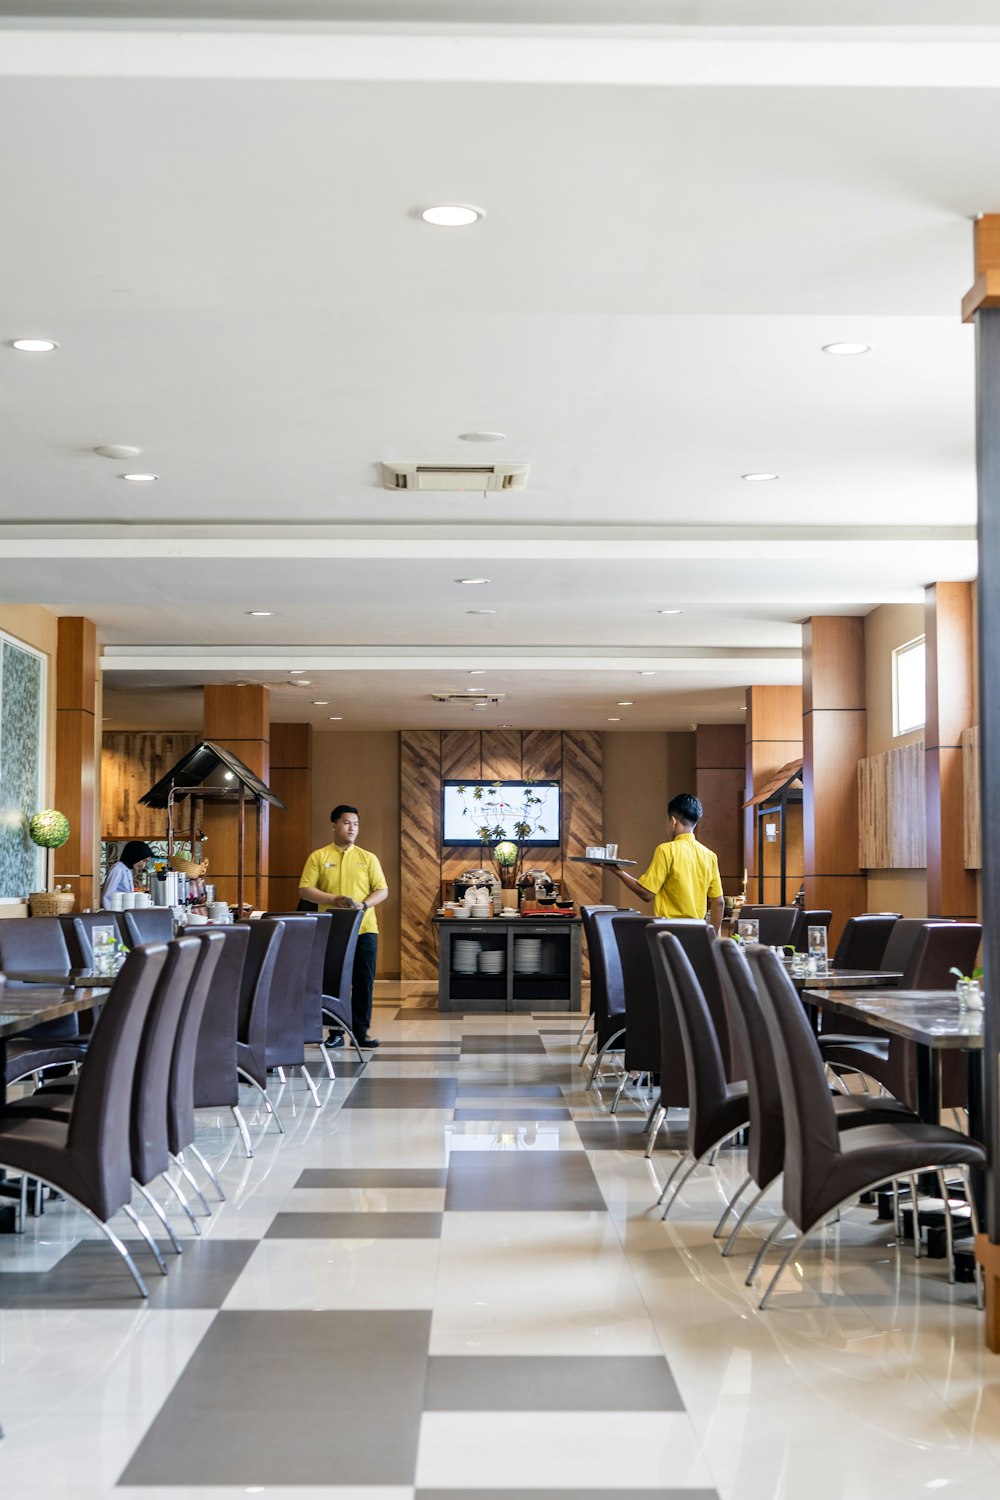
<point x="932" y="1018"/>
<point x="22" y="1009"/>
<point x="847" y="979"/>
<point x="71" y="979"/>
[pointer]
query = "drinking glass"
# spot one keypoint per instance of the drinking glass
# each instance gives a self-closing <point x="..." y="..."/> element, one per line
<point x="749" y="930"/>
<point x="817" y="948"/>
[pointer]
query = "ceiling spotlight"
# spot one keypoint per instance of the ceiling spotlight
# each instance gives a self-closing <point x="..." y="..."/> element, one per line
<point x="625" y="703"/>
<point x="34" y="346"/>
<point x="483" y="437"/>
<point x="304" y="683"/>
<point x="759" y="478"/>
<point x="452" y="215"/>
<point x="614" y="721"/>
<point x="669" y="611"/>
<point x="847" y="348"/>
<point x="472" y="580"/>
<point x="505" y="726"/>
<point x="647" y="673"/>
<point x="117" y="450"/>
<point x="474" y="690"/>
<point x="139" y="478"/>
<point x="321" y="703"/>
<point x="295" y="671"/>
<point x="335" y="718"/>
<point x="480" y="611"/>
<point x="477" y="671"/>
<point x="261" y="613"/>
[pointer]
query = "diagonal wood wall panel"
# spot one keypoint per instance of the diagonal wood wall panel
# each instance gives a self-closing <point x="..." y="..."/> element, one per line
<point x="461" y="754"/>
<point x="582" y="783"/>
<point x="419" y="849"/>
<point x="501" y="755"/>
<point x="541" y="754"/>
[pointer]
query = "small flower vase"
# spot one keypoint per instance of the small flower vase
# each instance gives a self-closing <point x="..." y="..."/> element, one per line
<point x="970" y="996"/>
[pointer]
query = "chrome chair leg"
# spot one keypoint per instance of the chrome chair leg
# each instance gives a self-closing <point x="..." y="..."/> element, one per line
<point x="208" y="1169"/>
<point x="583" y="1028"/>
<point x="281" y="1075"/>
<point x="620" y="1090"/>
<point x="765" y="1247"/>
<point x="324" y="1054"/>
<point x="153" y="1246"/>
<point x="657" y="1118"/>
<point x="949" y="1227"/>
<point x="310" y="1085"/>
<point x="241" y="1125"/>
<point x="263" y="1094"/>
<point x="185" y="1205"/>
<point x="178" y="1248"/>
<point x="694" y="1163"/>
<point x="793" y="1247"/>
<point x="684" y="1157"/>
<point x="717" y="1231"/>
<point x="189" y="1177"/>
<point x="600" y="1056"/>
<point x="915" y="1198"/>
<point x="974" y="1226"/>
<point x="588" y="1050"/>
<point x="743" y="1218"/>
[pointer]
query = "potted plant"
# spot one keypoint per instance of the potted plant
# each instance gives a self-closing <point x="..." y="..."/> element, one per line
<point x="504" y="828"/>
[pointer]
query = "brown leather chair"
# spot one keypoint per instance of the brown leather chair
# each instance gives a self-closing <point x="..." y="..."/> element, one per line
<point x="312" y="1000"/>
<point x="285" y="1045"/>
<point x="776" y="924"/>
<point x="78" y="932"/>
<point x="216" y="1076"/>
<point x="148" y="924"/>
<point x="863" y="941"/>
<point x="642" y="1020"/>
<point x="338" y="969"/>
<point x="609" y="996"/>
<point x="586" y="913"/>
<point x="180" y="1095"/>
<point x="39" y="943"/>
<point x="824" y="1168"/>
<point x="806" y="919"/>
<point x="88" y="1158"/>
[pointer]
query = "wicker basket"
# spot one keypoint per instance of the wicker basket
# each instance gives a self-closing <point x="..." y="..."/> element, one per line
<point x="51" y="903"/>
<point x="190" y="868"/>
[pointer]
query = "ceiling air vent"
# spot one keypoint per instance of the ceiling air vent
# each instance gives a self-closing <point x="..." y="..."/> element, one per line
<point x="468" y="698"/>
<point x="454" y="476"/>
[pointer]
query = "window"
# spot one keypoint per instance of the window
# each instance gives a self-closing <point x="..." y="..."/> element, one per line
<point x="909" y="687"/>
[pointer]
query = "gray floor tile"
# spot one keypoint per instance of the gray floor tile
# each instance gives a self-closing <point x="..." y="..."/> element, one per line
<point x="625" y="1134"/>
<point x="345" y="1065"/>
<point x="392" y="1044"/>
<point x="387" y="1055"/>
<point x="402" y="1093"/>
<point x="473" y="1043"/>
<point x="485" y="1112"/>
<point x="513" y="1092"/>
<point x="93" y="1275"/>
<point x="550" y="1383"/>
<point x="526" y="1181"/>
<point x="566" y="1494"/>
<point x="293" y="1398"/>
<point x="382" y="1177"/>
<point x="355" y="1226"/>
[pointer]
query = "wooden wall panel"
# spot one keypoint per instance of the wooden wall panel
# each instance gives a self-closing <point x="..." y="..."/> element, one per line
<point x="238" y="719"/>
<point x="501" y="755"/>
<point x="972" y="819"/>
<point x="541" y="754"/>
<point x="461" y="754"/>
<point x="833" y="663"/>
<point x="132" y="761"/>
<point x="582" y="778"/>
<point x="76" y="779"/>
<point x="720" y="753"/>
<point x="891" y="800"/>
<point x="420" y="850"/>
<point x="773" y="738"/>
<point x="948" y="627"/>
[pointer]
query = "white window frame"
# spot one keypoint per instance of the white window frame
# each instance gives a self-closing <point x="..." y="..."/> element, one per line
<point x="899" y="724"/>
<point x="42" y="745"/>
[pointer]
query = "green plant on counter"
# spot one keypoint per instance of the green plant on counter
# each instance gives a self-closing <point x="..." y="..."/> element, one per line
<point x="504" y="826"/>
<point x="977" y="973"/>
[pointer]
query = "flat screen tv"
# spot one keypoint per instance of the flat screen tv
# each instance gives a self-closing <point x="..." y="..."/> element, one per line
<point x="462" y="816"/>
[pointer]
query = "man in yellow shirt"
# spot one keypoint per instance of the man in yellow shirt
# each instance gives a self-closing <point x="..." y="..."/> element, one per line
<point x="342" y="875"/>
<point x="683" y="877"/>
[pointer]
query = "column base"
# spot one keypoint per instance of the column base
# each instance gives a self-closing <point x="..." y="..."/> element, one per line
<point x="988" y="1256"/>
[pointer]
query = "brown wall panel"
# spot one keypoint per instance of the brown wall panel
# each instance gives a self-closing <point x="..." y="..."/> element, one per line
<point x="951" y="888"/>
<point x="461" y="754"/>
<point x="583" y="812"/>
<point x="719" y="745"/>
<point x="76" y="796"/>
<point x="235" y="713"/>
<point x="291" y="745"/>
<point x="132" y="761"/>
<point x="774" y="713"/>
<point x="419" y="845"/>
<point x="721" y="795"/>
<point x="501" y="755"/>
<point x="76" y="680"/>
<point x="289" y="826"/>
<point x="541" y="754"/>
<point x="834" y="743"/>
<point x="833" y="662"/>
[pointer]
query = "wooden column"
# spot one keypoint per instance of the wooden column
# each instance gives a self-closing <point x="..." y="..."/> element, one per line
<point x="290" y="838"/>
<point x="951" y="888"/>
<point x="833" y="741"/>
<point x="419" y="851"/>
<point x="237" y="718"/>
<point x="982" y="305"/>
<point x="773" y="738"/>
<point x="77" y="773"/>
<point x="719" y="754"/>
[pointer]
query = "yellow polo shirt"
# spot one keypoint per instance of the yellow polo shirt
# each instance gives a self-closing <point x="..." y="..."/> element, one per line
<point x="346" y="872"/>
<point x="684" y="877"/>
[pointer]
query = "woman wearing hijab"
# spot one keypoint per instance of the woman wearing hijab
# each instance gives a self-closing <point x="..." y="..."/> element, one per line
<point x="121" y="877"/>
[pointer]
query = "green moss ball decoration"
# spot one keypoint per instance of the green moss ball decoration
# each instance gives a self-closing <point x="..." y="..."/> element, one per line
<point x="49" y="829"/>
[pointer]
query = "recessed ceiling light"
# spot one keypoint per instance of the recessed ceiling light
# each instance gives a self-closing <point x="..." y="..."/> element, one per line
<point x="472" y="580"/>
<point x="139" y="478"/>
<point x="847" y="348"/>
<point x="480" y="611"/>
<point x="117" y="450"/>
<point x="647" y="673"/>
<point x="669" y="611"/>
<point x="321" y="703"/>
<point x="483" y="437"/>
<point x="474" y="690"/>
<point x="34" y="346"/>
<point x="625" y="703"/>
<point x="505" y="726"/>
<point x="304" y="683"/>
<point x="295" y="671"/>
<point x="477" y="671"/>
<point x="759" y="478"/>
<point x="335" y="718"/>
<point x="452" y="215"/>
<point x="480" y="705"/>
<point x="260" y="613"/>
<point x="614" y="721"/>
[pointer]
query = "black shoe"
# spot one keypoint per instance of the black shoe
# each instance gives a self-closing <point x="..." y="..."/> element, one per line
<point x="370" y="1042"/>
<point x="335" y="1039"/>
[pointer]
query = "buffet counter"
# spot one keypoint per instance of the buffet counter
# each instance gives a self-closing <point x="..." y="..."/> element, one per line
<point x="501" y="964"/>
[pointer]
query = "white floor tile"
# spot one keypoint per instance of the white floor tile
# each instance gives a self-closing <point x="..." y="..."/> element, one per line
<point x="355" y="1273"/>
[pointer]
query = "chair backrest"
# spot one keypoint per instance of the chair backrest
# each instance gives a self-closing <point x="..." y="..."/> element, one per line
<point x="812" y="1140"/>
<point x="863" y="940"/>
<point x="609" y="1000"/>
<point x="706" y="1076"/>
<point x="766" y="1147"/>
<point x="698" y="939"/>
<point x="642" y="1036"/>
<point x="102" y="1106"/>
<point x="264" y="944"/>
<point x="673" y="1068"/>
<point x="148" y="1125"/>
<point x="148" y="924"/>
<point x="78" y="930"/>
<point x="312" y="1000"/>
<point x="596" y="969"/>
<point x="286" y="1001"/>
<point x="940" y="947"/>
<point x="776" y="924"/>
<point x="216" y="1082"/>
<point x="34" y="943"/>
<point x="180" y="1093"/>
<point x="902" y="938"/>
<point x="338" y="965"/>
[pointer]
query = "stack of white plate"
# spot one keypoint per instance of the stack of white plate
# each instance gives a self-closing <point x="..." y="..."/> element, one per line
<point x="464" y="955"/>
<point x="492" y="961"/>
<point x="527" y="955"/>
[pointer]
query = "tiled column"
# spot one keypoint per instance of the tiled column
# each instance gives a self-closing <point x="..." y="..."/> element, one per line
<point x="951" y="888"/>
<point x="237" y="719"/>
<point x="833" y="741"/>
<point x="289" y="843"/>
<point x="77" y="775"/>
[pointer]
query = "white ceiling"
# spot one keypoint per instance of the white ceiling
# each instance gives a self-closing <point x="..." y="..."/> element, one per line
<point x="235" y="273"/>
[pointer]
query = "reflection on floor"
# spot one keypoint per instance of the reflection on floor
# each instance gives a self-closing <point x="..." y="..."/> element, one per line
<point x="452" y="1280"/>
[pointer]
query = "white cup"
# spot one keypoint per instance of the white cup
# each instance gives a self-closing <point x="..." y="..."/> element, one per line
<point x="142" y="898"/>
<point x="218" y="911"/>
<point x="115" y="901"/>
<point x="128" y="901"/>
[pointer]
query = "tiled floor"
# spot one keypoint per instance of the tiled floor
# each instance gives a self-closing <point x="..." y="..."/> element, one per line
<point x="452" y="1280"/>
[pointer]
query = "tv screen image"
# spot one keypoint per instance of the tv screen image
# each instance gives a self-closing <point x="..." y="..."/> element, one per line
<point x="462" y="815"/>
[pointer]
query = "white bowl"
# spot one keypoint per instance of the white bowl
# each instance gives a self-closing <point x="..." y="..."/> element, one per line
<point x="463" y="913"/>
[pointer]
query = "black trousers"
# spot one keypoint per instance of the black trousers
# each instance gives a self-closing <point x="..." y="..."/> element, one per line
<point x="363" y="983"/>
